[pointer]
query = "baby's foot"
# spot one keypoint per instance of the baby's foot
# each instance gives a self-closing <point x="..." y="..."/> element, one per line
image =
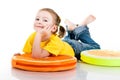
<point x="71" y="26"/>
<point x="88" y="20"/>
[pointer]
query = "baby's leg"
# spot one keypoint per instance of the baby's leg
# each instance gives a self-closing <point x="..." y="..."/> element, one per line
<point x="72" y="26"/>
<point x="88" y="20"/>
<point x="82" y="33"/>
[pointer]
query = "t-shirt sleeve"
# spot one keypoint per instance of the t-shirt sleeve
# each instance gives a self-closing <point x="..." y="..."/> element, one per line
<point x="54" y="47"/>
<point x="28" y="45"/>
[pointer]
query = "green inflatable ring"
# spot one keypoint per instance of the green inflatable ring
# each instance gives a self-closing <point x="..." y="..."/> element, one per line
<point x="101" y="57"/>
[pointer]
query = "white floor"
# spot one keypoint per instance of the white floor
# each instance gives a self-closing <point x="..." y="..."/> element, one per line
<point x="83" y="71"/>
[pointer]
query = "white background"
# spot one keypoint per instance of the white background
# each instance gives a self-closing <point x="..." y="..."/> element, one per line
<point x="16" y="24"/>
<point x="17" y="17"/>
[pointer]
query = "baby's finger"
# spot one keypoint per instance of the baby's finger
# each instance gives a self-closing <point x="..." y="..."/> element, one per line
<point x="49" y="28"/>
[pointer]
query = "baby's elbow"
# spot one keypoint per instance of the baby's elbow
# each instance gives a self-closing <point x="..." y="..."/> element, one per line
<point x="41" y="54"/>
<point x="45" y="54"/>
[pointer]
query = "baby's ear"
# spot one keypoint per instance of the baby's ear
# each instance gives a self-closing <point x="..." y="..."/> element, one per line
<point x="54" y="28"/>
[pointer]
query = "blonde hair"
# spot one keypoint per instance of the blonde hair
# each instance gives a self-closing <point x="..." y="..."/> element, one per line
<point x="57" y="21"/>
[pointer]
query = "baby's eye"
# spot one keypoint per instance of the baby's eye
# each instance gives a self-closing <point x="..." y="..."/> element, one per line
<point x="37" y="19"/>
<point x="45" y="20"/>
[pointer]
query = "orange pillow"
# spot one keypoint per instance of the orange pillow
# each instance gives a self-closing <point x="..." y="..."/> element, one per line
<point x="52" y="63"/>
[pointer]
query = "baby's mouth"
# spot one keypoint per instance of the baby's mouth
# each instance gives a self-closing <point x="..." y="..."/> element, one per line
<point x="40" y="26"/>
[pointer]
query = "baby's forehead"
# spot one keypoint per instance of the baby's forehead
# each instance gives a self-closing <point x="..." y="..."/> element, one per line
<point x="44" y="14"/>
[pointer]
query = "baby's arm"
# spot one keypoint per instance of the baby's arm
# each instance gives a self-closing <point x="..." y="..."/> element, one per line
<point x="37" y="51"/>
<point x="41" y="35"/>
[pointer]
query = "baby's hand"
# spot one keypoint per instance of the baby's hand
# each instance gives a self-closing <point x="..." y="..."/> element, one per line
<point x="17" y="54"/>
<point x="46" y="32"/>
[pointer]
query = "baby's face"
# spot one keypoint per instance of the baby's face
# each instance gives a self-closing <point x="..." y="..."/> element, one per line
<point x="43" y="19"/>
